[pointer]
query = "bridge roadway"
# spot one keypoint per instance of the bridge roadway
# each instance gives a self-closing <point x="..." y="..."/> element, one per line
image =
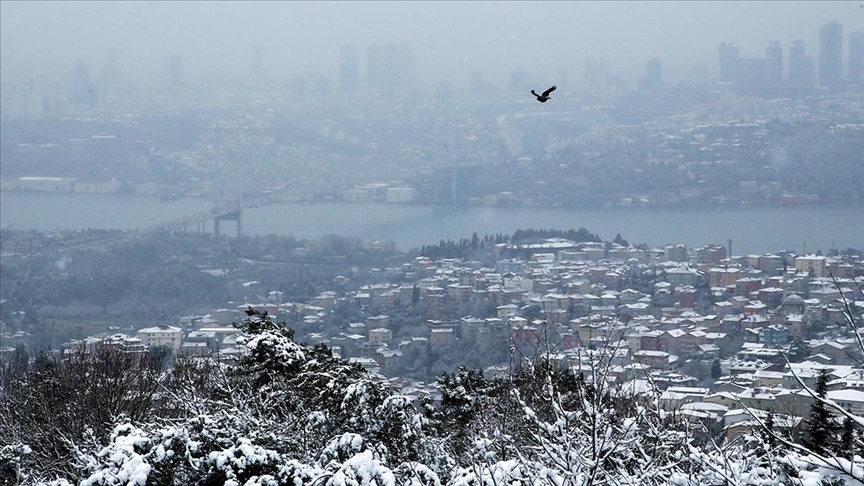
<point x="219" y="211"/>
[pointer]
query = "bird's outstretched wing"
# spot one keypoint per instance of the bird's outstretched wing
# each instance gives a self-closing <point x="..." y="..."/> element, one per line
<point x="546" y="93"/>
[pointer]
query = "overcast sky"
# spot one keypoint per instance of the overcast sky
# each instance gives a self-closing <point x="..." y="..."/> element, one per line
<point x="450" y="39"/>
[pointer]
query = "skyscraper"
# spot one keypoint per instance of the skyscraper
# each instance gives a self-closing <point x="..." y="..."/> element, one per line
<point x="775" y="63"/>
<point x="258" y="62"/>
<point x="802" y="68"/>
<point x="83" y="91"/>
<point x="349" y="69"/>
<point x="174" y="70"/>
<point x="830" y="55"/>
<point x="475" y="82"/>
<point x="754" y="74"/>
<point x="653" y="75"/>
<point x="856" y="57"/>
<point x="110" y="74"/>
<point x="728" y="61"/>
<point x="297" y="88"/>
<point x="596" y="72"/>
<point x="519" y="81"/>
<point x="390" y="67"/>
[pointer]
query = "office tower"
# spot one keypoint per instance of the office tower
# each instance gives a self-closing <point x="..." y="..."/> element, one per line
<point x="83" y="91"/>
<point x="802" y="68"/>
<point x="110" y="74"/>
<point x="728" y="61"/>
<point x="701" y="72"/>
<point x="475" y="82"/>
<point x="391" y="67"/>
<point x="753" y="74"/>
<point x="596" y="72"/>
<point x="856" y="57"/>
<point x="258" y="62"/>
<point x="349" y="69"/>
<point x="174" y="70"/>
<point x="654" y="75"/>
<point x="775" y="63"/>
<point x="563" y="77"/>
<point x="322" y="90"/>
<point x="830" y="55"/>
<point x="297" y="89"/>
<point x="519" y="81"/>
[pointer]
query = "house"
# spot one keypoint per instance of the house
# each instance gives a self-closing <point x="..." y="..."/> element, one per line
<point x="812" y="264"/>
<point x="675" y="397"/>
<point x="851" y="400"/>
<point x="380" y="336"/>
<point x="837" y="351"/>
<point x="682" y="277"/>
<point x="195" y="349"/>
<point x="705" y="413"/>
<point x="709" y="351"/>
<point x="774" y="335"/>
<point x="658" y="360"/>
<point x="390" y="360"/>
<point x="505" y="311"/>
<point x="739" y="421"/>
<point x="758" y="398"/>
<point x="441" y="335"/>
<point x="671" y="341"/>
<point x="766" y="378"/>
<point x="163" y="335"/>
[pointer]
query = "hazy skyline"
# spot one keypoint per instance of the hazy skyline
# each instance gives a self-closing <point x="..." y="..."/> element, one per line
<point x="45" y="40"/>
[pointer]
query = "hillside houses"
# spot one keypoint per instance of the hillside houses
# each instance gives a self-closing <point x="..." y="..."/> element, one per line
<point x="682" y="319"/>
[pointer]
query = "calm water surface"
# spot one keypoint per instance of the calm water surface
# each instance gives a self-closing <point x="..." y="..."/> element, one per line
<point x="752" y="229"/>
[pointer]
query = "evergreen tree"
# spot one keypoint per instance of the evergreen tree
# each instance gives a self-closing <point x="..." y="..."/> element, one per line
<point x="716" y="371"/>
<point x="415" y="295"/>
<point x="821" y="428"/>
<point x="846" y="446"/>
<point x="798" y="350"/>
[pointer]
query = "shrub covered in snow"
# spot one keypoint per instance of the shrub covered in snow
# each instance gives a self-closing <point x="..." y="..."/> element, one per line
<point x="295" y="415"/>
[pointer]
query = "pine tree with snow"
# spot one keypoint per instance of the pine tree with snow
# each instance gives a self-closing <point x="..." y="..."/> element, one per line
<point x="821" y="427"/>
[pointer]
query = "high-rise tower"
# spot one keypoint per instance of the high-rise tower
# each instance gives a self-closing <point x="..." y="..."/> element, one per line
<point x="654" y="75"/>
<point x="174" y="70"/>
<point x="110" y="74"/>
<point x="856" y="57"/>
<point x="258" y="71"/>
<point x="349" y="69"/>
<point x="802" y="68"/>
<point x="83" y="91"/>
<point x="728" y="61"/>
<point x="831" y="55"/>
<point x="775" y="63"/>
<point x="390" y="67"/>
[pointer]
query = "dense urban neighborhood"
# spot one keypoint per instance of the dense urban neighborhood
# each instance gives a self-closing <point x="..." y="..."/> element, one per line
<point x="348" y="244"/>
<point x="708" y="328"/>
<point x="722" y="342"/>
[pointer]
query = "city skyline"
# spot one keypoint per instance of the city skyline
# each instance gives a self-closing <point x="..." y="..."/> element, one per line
<point x="228" y="42"/>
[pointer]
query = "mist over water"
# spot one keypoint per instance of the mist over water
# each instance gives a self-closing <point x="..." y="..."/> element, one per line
<point x="753" y="229"/>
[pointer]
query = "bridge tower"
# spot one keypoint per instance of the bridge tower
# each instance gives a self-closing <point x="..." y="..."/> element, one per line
<point x="233" y="216"/>
<point x="231" y="205"/>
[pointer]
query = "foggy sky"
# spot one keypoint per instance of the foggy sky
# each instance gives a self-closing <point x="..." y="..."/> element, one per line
<point x="45" y="40"/>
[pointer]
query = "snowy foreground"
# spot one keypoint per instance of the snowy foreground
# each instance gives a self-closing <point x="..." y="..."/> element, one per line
<point x="291" y="414"/>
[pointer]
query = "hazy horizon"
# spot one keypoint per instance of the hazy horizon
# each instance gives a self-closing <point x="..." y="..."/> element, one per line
<point x="45" y="40"/>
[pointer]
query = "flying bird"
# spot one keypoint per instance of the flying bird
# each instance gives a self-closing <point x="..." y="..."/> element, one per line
<point x="543" y="98"/>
